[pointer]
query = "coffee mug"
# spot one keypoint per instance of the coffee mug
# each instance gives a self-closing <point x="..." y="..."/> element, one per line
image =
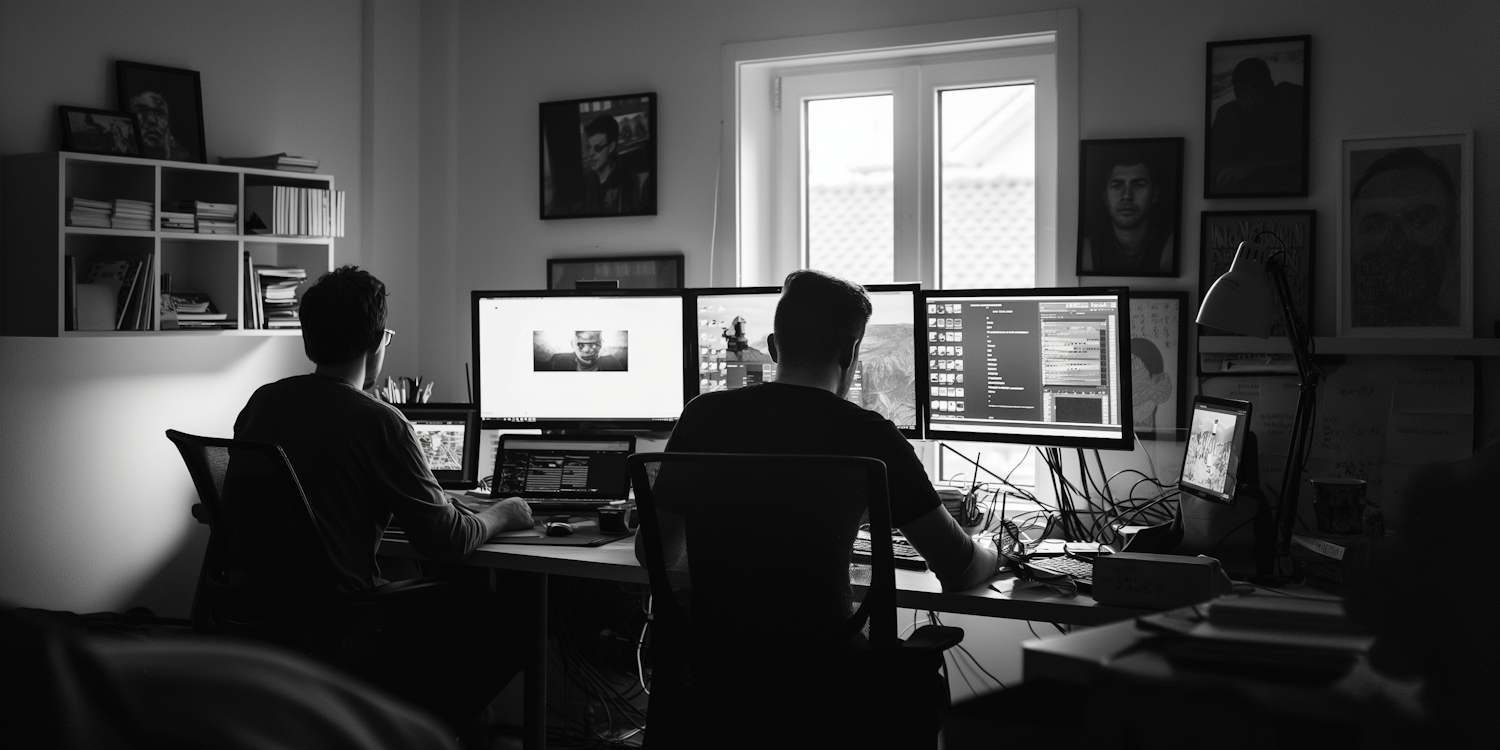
<point x="1339" y="505"/>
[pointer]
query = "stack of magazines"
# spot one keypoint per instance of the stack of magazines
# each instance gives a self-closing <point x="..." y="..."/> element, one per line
<point x="212" y="218"/>
<point x="271" y="299"/>
<point x="283" y="162"/>
<point x="134" y="215"/>
<point x="83" y="212"/>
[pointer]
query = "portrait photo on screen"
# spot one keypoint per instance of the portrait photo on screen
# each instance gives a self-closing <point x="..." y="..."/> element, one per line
<point x="1210" y="447"/>
<point x="1130" y="203"/>
<point x="580" y="351"/>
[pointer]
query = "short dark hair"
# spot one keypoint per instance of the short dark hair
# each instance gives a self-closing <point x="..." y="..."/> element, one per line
<point x="1129" y="157"/>
<point x="1252" y="70"/>
<point x="818" y="313"/>
<point x="343" y="316"/>
<point x="1409" y="158"/>
<point x="605" y="125"/>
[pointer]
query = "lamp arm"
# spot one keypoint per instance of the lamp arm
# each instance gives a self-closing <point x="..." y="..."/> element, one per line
<point x="1296" y="458"/>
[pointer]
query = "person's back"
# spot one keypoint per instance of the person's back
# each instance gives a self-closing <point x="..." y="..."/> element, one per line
<point x="819" y="325"/>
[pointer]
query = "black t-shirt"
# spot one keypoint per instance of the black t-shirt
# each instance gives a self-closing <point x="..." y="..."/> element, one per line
<point x="359" y="464"/>
<point x="782" y="418"/>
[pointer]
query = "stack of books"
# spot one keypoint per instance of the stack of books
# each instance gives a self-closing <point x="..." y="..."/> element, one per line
<point x="112" y="295"/>
<point x="195" y="311"/>
<point x="83" y="212"/>
<point x="294" y="212"/>
<point x="272" y="295"/>
<point x="212" y="218"/>
<point x="177" y="221"/>
<point x="138" y="216"/>
<point x="283" y="162"/>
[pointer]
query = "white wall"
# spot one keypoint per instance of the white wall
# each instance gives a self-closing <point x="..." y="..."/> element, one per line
<point x="93" y="498"/>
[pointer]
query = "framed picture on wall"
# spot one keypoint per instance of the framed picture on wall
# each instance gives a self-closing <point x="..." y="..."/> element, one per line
<point x="168" y="107"/>
<point x="1289" y="231"/>
<point x="637" y="272"/>
<point x="598" y="157"/>
<point x="1406" y="237"/>
<point x="1256" y="120"/>
<point x="1130" y="204"/>
<point x="98" y="131"/>
<point x="1158" y="328"/>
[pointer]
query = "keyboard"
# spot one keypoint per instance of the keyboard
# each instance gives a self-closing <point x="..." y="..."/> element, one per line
<point x="1078" y="569"/>
<point x="903" y="554"/>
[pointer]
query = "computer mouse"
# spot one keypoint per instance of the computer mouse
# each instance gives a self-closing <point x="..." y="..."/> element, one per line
<point x="559" y="526"/>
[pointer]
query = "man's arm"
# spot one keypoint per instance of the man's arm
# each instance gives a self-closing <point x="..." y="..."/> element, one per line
<point x="959" y="563"/>
<point x="510" y="514"/>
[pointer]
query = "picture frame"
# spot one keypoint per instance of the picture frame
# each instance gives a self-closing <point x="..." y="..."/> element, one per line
<point x="598" y="157"/>
<point x="98" y="131"/>
<point x="1256" y="121"/>
<point x="1220" y="235"/>
<point x="1158" y="371"/>
<point x="168" y="107"/>
<point x="632" y="272"/>
<point x="1135" y="227"/>
<point x="1406" y="237"/>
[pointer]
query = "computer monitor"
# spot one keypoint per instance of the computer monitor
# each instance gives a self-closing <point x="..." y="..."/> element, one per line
<point x="1040" y="366"/>
<point x="448" y="435"/>
<point x="731" y="325"/>
<point x="1215" y="445"/>
<point x="569" y="360"/>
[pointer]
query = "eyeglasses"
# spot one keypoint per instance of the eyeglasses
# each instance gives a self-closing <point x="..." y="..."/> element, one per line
<point x="386" y="339"/>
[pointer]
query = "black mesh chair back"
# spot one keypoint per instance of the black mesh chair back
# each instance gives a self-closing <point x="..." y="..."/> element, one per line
<point x="266" y="572"/>
<point x="749" y="562"/>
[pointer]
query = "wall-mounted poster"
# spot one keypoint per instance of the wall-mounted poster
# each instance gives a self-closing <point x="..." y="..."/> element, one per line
<point x="1406" y="237"/>
<point x="1289" y="231"/>
<point x="1130" y="203"/>
<point x="1257" y="118"/>
<point x="598" y="157"/>
<point x="1158" y="328"/>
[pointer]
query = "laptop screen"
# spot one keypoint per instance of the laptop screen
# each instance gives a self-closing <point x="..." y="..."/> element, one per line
<point x="449" y="439"/>
<point x="543" y="466"/>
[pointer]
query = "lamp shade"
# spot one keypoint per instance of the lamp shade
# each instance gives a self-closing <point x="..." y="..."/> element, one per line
<point x="1241" y="301"/>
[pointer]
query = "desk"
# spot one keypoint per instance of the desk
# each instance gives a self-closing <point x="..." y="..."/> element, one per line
<point x="616" y="562"/>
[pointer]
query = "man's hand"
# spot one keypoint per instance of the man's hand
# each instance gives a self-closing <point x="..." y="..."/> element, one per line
<point x="509" y="514"/>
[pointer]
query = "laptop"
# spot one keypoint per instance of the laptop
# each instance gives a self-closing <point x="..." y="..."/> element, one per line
<point x="563" y="472"/>
<point x="449" y="437"/>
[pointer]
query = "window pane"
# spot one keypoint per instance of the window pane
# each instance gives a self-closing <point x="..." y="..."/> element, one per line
<point x="851" y="216"/>
<point x="987" y="231"/>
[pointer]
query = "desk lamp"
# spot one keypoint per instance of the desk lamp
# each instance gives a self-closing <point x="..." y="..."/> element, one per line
<point x="1243" y="301"/>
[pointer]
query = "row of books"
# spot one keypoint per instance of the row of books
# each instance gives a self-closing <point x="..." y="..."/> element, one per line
<point x="283" y="162"/>
<point x="202" y="217"/>
<point x="110" y="295"/>
<point x="120" y="213"/>
<point x="293" y="211"/>
<point x="271" y="295"/>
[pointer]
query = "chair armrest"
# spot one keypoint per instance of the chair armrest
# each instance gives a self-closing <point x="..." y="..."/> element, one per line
<point x="403" y="589"/>
<point x="936" y="638"/>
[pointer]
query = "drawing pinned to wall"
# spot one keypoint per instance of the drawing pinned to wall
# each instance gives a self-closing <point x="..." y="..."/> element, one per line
<point x="1221" y="235"/>
<point x="1406" y="237"/>
<point x="1158" y="328"/>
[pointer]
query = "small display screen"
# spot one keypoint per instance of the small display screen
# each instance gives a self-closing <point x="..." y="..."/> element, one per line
<point x="1215" y="443"/>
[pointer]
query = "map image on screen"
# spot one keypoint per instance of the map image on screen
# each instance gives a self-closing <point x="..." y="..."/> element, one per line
<point x="442" y="445"/>
<point x="886" y="378"/>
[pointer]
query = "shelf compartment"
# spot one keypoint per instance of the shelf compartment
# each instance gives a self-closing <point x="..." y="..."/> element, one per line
<point x="86" y="250"/>
<point x="204" y="265"/>
<point x="315" y="259"/>
<point x="106" y="181"/>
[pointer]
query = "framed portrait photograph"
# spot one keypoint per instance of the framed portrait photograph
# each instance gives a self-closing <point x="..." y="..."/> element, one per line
<point x="1158" y="328"/>
<point x="1289" y="231"/>
<point x="168" y="107"/>
<point x="1130" y="206"/>
<point x="636" y="272"/>
<point x="1256" y="119"/>
<point x="98" y="131"/>
<point x="598" y="157"/>
<point x="1406" y="237"/>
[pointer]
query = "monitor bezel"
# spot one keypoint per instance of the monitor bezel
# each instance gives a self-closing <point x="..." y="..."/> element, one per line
<point x="621" y="423"/>
<point x="466" y="477"/>
<point x="1125" y="442"/>
<point x="1222" y="403"/>
<point x="690" y="338"/>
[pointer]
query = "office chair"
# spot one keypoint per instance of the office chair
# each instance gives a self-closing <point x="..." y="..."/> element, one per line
<point x="266" y="573"/>
<point x="752" y="639"/>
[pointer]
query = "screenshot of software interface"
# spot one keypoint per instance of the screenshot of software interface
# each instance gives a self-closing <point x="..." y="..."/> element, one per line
<point x="572" y="467"/>
<point x="1040" y="365"/>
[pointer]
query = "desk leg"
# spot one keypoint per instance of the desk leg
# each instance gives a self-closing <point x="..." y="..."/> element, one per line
<point x="535" y="705"/>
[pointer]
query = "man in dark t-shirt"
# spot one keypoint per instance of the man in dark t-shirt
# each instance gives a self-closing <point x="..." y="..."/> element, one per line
<point x="360" y="466"/>
<point x="819" y="324"/>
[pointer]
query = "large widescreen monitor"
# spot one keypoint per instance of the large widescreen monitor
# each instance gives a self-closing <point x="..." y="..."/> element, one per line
<point x="731" y="326"/>
<point x="578" y="359"/>
<point x="1040" y="366"/>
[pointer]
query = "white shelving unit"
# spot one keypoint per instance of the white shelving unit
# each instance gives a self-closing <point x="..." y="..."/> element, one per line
<point x="1452" y="347"/>
<point x="34" y="199"/>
